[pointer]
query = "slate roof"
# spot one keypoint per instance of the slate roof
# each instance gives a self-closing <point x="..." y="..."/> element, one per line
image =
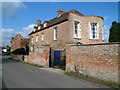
<point x="62" y="18"/>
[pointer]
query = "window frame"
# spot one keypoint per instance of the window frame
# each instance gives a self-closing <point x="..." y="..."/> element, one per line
<point x="36" y="38"/>
<point x="55" y="33"/>
<point x="32" y="40"/>
<point x="42" y="37"/>
<point x="79" y="29"/>
<point x="96" y="31"/>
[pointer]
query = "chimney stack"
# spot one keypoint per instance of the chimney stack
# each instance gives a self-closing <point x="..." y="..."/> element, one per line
<point x="60" y="12"/>
<point x="39" y="22"/>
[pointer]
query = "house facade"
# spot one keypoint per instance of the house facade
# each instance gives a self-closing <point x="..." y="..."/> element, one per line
<point x="19" y="42"/>
<point x="67" y="28"/>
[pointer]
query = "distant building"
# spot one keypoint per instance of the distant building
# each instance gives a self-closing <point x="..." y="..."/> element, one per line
<point x="0" y="49"/>
<point x="5" y="49"/>
<point x="19" y="42"/>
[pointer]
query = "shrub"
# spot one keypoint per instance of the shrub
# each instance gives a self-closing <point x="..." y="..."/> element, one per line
<point x="19" y="51"/>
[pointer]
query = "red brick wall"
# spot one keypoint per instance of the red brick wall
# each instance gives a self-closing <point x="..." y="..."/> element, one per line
<point x="85" y="29"/>
<point x="40" y="57"/>
<point x="17" y="57"/>
<point x="99" y="61"/>
<point x="18" y="42"/>
<point x="49" y="36"/>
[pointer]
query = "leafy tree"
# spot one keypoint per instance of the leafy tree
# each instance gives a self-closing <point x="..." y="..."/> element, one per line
<point x="114" y="32"/>
<point x="19" y="51"/>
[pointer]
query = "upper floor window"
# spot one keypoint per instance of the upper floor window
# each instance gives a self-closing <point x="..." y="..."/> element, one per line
<point x="36" y="38"/>
<point x="55" y="33"/>
<point x="42" y="36"/>
<point x="31" y="39"/>
<point x="77" y="29"/>
<point x="93" y="31"/>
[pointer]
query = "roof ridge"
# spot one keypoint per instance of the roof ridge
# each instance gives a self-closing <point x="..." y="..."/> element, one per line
<point x="75" y="12"/>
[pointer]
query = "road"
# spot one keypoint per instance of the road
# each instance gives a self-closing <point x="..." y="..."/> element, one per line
<point x="20" y="75"/>
<point x="0" y="71"/>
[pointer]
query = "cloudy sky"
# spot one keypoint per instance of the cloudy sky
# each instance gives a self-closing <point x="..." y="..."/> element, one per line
<point x="20" y="17"/>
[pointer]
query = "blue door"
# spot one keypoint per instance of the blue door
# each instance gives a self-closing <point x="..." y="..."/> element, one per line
<point x="56" y="58"/>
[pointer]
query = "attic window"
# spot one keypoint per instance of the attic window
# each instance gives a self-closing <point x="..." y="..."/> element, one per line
<point x="59" y="15"/>
<point x="45" y="24"/>
<point x="39" y="27"/>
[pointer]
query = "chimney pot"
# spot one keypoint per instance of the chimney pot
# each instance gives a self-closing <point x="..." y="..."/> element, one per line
<point x="60" y="12"/>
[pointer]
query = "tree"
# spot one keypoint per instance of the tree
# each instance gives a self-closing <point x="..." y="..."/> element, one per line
<point x="20" y="51"/>
<point x="114" y="32"/>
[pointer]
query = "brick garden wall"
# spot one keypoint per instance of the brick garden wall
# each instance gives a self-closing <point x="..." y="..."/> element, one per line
<point x="100" y="60"/>
<point x="40" y="56"/>
<point x="17" y="57"/>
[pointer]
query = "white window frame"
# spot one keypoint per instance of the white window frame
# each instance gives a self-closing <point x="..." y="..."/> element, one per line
<point x="39" y="27"/>
<point x="36" y="38"/>
<point x="103" y="32"/>
<point x="31" y="49"/>
<point x="34" y="30"/>
<point x="96" y="30"/>
<point x="42" y="36"/>
<point x="32" y="39"/>
<point x="78" y="31"/>
<point x="45" y="24"/>
<point x="55" y="33"/>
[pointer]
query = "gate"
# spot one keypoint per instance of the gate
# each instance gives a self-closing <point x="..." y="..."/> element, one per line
<point x="57" y="59"/>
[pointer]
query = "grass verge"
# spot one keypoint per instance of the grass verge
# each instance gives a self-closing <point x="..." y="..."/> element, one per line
<point x="93" y="79"/>
<point x="36" y="65"/>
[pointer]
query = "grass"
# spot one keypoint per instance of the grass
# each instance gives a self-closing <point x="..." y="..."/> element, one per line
<point x="93" y="79"/>
<point x="36" y="65"/>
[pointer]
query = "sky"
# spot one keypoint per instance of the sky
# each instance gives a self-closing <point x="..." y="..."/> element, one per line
<point x="20" y="17"/>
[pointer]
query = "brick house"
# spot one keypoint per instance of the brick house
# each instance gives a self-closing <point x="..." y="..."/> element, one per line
<point x="48" y="39"/>
<point x="19" y="42"/>
<point x="68" y="27"/>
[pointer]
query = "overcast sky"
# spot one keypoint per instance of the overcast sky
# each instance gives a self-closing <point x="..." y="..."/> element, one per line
<point x="20" y="17"/>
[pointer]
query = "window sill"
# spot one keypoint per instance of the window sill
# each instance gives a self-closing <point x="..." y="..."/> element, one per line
<point x="94" y="39"/>
<point x="77" y="38"/>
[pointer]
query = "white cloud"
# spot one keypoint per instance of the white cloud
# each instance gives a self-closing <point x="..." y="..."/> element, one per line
<point x="6" y="35"/>
<point x="27" y="30"/>
<point x="106" y="17"/>
<point x="9" y="9"/>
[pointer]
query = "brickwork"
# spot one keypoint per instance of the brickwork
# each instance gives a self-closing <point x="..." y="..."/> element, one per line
<point x="49" y="37"/>
<point x="66" y="30"/>
<point x="17" y="57"/>
<point x="40" y="57"/>
<point x="85" y="29"/>
<point x="18" y="42"/>
<point x="100" y="61"/>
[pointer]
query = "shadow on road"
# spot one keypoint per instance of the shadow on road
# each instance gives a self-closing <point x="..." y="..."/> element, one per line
<point x="3" y="85"/>
<point x="5" y="59"/>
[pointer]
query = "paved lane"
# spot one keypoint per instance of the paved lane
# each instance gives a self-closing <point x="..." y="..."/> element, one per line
<point x="19" y="75"/>
<point x="0" y="71"/>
